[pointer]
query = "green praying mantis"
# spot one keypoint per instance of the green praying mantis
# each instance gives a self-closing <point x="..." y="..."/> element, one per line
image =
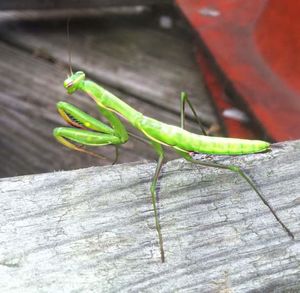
<point x="88" y="131"/>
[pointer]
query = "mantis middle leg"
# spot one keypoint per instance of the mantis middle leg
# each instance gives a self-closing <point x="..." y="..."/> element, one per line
<point x="159" y="150"/>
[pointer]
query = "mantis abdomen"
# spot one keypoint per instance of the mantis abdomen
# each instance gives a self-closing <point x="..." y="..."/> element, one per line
<point x="189" y="142"/>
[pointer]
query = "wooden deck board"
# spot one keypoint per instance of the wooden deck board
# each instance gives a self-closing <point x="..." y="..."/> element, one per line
<point x="93" y="229"/>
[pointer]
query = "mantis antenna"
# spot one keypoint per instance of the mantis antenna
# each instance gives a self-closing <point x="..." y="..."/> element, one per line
<point x="69" y="45"/>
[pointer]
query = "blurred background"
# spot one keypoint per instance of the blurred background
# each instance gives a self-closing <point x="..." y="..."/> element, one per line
<point x="145" y="52"/>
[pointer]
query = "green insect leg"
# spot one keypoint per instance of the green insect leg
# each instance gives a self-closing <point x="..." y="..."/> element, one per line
<point x="89" y="131"/>
<point x="119" y="129"/>
<point x="159" y="150"/>
<point x="184" y="99"/>
<point x="239" y="171"/>
<point x="74" y="138"/>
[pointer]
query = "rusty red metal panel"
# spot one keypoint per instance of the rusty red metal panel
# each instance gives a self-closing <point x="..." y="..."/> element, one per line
<point x="233" y="126"/>
<point x="255" y="43"/>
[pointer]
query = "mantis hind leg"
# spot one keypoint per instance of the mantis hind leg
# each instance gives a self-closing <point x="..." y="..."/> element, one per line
<point x="238" y="170"/>
<point x="185" y="99"/>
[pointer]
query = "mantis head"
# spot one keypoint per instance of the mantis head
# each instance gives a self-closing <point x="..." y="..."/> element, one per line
<point x="71" y="83"/>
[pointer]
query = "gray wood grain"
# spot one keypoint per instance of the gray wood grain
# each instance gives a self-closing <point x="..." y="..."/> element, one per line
<point x="71" y="4"/>
<point x="92" y="230"/>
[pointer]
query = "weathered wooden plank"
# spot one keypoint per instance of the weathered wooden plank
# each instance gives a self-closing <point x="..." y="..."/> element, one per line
<point x="132" y="56"/>
<point x="71" y="4"/>
<point x="92" y="230"/>
<point x="30" y="88"/>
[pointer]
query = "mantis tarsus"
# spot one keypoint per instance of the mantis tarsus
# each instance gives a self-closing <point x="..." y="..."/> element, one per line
<point x="91" y="132"/>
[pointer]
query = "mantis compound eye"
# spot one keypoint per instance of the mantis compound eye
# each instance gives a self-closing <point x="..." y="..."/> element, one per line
<point x="72" y="82"/>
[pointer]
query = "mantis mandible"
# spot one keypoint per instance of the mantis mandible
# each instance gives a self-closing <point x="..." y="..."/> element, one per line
<point x="89" y="131"/>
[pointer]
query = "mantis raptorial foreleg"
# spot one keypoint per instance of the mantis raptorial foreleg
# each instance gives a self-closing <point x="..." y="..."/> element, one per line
<point x="89" y="131"/>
